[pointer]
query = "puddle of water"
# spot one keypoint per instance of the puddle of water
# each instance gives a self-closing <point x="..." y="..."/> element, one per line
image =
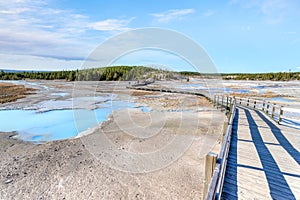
<point x="74" y="103"/>
<point x="193" y="86"/>
<point x="61" y="94"/>
<point x="143" y="108"/>
<point x="36" y="126"/>
<point x="230" y="90"/>
<point x="281" y="99"/>
<point x="259" y="87"/>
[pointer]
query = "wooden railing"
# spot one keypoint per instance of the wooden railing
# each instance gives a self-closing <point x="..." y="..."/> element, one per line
<point x="271" y="109"/>
<point x="279" y="113"/>
<point x="215" y="165"/>
<point x="290" y="117"/>
<point x="214" y="182"/>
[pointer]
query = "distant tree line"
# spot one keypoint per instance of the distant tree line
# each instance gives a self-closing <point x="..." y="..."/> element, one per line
<point x="68" y="75"/>
<point x="279" y="76"/>
<point x="133" y="73"/>
<point x="116" y="73"/>
<point x="187" y="73"/>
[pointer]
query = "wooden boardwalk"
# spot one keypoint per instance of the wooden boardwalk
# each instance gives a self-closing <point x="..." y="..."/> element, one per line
<point x="263" y="160"/>
<point x="259" y="159"/>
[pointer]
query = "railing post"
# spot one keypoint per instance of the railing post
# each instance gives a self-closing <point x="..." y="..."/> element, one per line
<point x="254" y="106"/>
<point x="263" y="107"/>
<point x="230" y="107"/>
<point x="222" y="104"/>
<point x="248" y="102"/>
<point x="226" y="102"/>
<point x="280" y="115"/>
<point x="217" y="101"/>
<point x="273" y="111"/>
<point x="210" y="164"/>
<point x="214" y="102"/>
<point x="240" y="101"/>
<point x="268" y="105"/>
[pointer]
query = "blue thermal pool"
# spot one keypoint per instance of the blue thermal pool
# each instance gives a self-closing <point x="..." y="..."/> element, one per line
<point x="35" y="126"/>
<point x="281" y="99"/>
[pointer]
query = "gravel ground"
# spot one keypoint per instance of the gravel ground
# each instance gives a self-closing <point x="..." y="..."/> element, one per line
<point x="132" y="155"/>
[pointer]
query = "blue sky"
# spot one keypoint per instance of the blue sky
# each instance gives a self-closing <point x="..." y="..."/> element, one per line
<point x="238" y="35"/>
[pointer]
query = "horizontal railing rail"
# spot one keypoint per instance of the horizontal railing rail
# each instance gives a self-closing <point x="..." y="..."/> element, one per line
<point x="290" y="116"/>
<point x="217" y="179"/>
<point x="278" y="113"/>
<point x="275" y="111"/>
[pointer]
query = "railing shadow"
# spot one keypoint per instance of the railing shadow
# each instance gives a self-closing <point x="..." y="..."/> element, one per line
<point x="230" y="188"/>
<point x="290" y="123"/>
<point x="279" y="188"/>
<point x="290" y="149"/>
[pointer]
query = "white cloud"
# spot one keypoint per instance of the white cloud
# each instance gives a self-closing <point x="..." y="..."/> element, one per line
<point x="170" y="15"/>
<point x="209" y="13"/>
<point x="14" y="11"/>
<point x="290" y="32"/>
<point x="28" y="25"/>
<point x="111" y="25"/>
<point x="35" y="29"/>
<point x="29" y="62"/>
<point x="271" y="11"/>
<point x="274" y="10"/>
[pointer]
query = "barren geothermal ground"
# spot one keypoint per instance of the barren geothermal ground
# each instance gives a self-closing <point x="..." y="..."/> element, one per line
<point x="99" y="140"/>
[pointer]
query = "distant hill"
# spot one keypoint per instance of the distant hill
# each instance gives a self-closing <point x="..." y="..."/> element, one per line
<point x="16" y="71"/>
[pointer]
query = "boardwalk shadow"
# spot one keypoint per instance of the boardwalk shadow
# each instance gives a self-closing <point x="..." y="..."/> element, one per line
<point x="279" y="188"/>
<point x="283" y="141"/>
<point x="230" y="189"/>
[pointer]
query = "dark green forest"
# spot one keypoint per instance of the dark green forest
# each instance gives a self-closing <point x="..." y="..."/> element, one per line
<point x="273" y="76"/>
<point x="279" y="76"/>
<point x="186" y="73"/>
<point x="116" y="73"/>
<point x="68" y="75"/>
<point x="132" y="73"/>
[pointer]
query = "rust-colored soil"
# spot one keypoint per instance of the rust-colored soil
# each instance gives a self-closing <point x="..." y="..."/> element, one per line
<point x="11" y="92"/>
<point x="142" y="93"/>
